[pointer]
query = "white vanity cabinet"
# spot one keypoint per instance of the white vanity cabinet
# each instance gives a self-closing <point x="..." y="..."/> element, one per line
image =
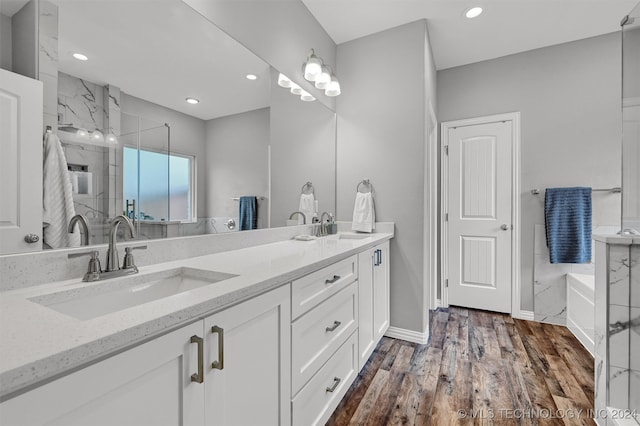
<point x="373" y="278"/>
<point x="159" y="382"/>
<point x="147" y="385"/>
<point x="248" y="364"/>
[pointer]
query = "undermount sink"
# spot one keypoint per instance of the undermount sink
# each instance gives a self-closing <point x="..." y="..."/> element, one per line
<point x="352" y="236"/>
<point x="117" y="294"/>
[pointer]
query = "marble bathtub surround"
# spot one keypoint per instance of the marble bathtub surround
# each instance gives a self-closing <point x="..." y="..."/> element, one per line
<point x="41" y="343"/>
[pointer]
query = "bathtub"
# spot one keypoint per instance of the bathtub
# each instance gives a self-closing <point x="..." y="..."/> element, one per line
<point x="580" y="308"/>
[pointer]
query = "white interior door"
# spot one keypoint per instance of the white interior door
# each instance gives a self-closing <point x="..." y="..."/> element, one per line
<point x="20" y="163"/>
<point x="479" y="207"/>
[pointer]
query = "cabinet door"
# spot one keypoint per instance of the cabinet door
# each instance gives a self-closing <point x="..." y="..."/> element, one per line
<point x="147" y="385"/>
<point x="381" y="302"/>
<point x="366" y="331"/>
<point x="248" y="362"/>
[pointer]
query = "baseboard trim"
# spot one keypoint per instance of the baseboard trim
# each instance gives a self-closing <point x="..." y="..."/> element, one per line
<point x="526" y="315"/>
<point x="408" y="335"/>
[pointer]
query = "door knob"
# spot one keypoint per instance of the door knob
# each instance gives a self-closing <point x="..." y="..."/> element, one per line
<point x="504" y="227"/>
<point x="31" y="238"/>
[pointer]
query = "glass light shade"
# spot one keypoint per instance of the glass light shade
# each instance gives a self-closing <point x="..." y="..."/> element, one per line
<point x="283" y="81"/>
<point x="323" y="78"/>
<point x="333" y="87"/>
<point x="111" y="139"/>
<point x="295" y="89"/>
<point x="97" y="136"/>
<point x="307" y="97"/>
<point x="82" y="133"/>
<point x="312" y="68"/>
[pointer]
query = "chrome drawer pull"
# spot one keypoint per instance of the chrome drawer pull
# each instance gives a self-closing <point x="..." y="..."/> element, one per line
<point x="199" y="376"/>
<point x="332" y="280"/>
<point x="336" y="382"/>
<point x="219" y="364"/>
<point x="335" y="325"/>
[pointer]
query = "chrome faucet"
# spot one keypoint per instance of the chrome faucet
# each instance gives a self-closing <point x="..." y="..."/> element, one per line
<point x="82" y="220"/>
<point x="327" y="227"/>
<point x="112" y="252"/>
<point x="304" y="218"/>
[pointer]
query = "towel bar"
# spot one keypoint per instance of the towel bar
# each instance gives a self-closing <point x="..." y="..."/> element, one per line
<point x="238" y="198"/>
<point x="615" y="190"/>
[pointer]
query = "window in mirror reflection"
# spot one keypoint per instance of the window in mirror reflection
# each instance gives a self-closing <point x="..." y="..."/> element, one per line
<point x="160" y="183"/>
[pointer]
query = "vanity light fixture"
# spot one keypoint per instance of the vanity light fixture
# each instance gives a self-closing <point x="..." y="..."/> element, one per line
<point x="295" y="89"/>
<point x="473" y="12"/>
<point x="82" y="133"/>
<point x="306" y="96"/>
<point x="312" y="67"/>
<point x="111" y="139"/>
<point x="97" y="136"/>
<point x="80" y="57"/>
<point x="192" y="101"/>
<point x="315" y="71"/>
<point x="251" y="77"/>
<point x="283" y="81"/>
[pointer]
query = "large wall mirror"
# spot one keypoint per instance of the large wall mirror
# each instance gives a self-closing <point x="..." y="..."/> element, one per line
<point x="178" y="168"/>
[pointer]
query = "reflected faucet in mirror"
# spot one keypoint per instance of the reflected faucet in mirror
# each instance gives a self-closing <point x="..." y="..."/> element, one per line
<point x="82" y="220"/>
<point x="304" y="218"/>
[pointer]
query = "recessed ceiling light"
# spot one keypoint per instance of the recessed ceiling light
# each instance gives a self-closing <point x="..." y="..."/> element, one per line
<point x="80" y="56"/>
<point x="252" y="77"/>
<point x="473" y="12"/>
<point x="192" y="101"/>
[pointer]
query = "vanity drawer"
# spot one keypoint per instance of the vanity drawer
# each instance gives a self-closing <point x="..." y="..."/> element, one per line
<point x="316" y="335"/>
<point x="311" y="290"/>
<point x="317" y="400"/>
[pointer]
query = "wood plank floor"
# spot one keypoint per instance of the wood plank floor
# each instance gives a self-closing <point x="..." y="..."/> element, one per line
<point x="478" y="368"/>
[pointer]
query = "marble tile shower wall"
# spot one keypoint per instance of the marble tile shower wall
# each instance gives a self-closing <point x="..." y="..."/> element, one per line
<point x="618" y="333"/>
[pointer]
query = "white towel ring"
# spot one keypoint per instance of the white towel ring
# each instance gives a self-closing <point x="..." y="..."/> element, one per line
<point x="366" y="183"/>
<point x="308" y="188"/>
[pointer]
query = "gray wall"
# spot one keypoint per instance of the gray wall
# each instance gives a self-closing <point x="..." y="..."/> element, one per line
<point x="187" y="136"/>
<point x="24" y="35"/>
<point x="279" y="32"/>
<point x="303" y="148"/>
<point x="388" y="79"/>
<point x="5" y="43"/>
<point x="569" y="99"/>
<point x="237" y="162"/>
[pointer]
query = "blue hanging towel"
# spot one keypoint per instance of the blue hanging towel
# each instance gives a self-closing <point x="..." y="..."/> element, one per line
<point x="248" y="213"/>
<point x="567" y="213"/>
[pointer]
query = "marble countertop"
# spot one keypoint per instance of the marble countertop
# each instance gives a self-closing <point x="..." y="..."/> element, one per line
<point x="39" y="343"/>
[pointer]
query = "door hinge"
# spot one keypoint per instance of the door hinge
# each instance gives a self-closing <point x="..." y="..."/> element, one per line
<point x="446" y="217"/>
<point x="446" y="150"/>
<point x="446" y="282"/>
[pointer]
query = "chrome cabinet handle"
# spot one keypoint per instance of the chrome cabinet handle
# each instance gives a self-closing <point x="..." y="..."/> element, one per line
<point x="199" y="376"/>
<point x="31" y="238"/>
<point x="332" y="280"/>
<point x="219" y="364"/>
<point x="336" y="382"/>
<point x="377" y="257"/>
<point x="335" y="325"/>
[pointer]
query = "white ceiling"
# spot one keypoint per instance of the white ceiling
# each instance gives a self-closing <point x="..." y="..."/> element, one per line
<point x="505" y="27"/>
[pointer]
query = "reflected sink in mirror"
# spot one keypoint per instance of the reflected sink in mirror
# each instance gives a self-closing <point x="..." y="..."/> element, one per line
<point x="117" y="294"/>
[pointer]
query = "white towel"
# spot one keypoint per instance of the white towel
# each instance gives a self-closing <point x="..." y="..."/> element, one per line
<point x="57" y="204"/>
<point x="364" y="213"/>
<point x="307" y="206"/>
